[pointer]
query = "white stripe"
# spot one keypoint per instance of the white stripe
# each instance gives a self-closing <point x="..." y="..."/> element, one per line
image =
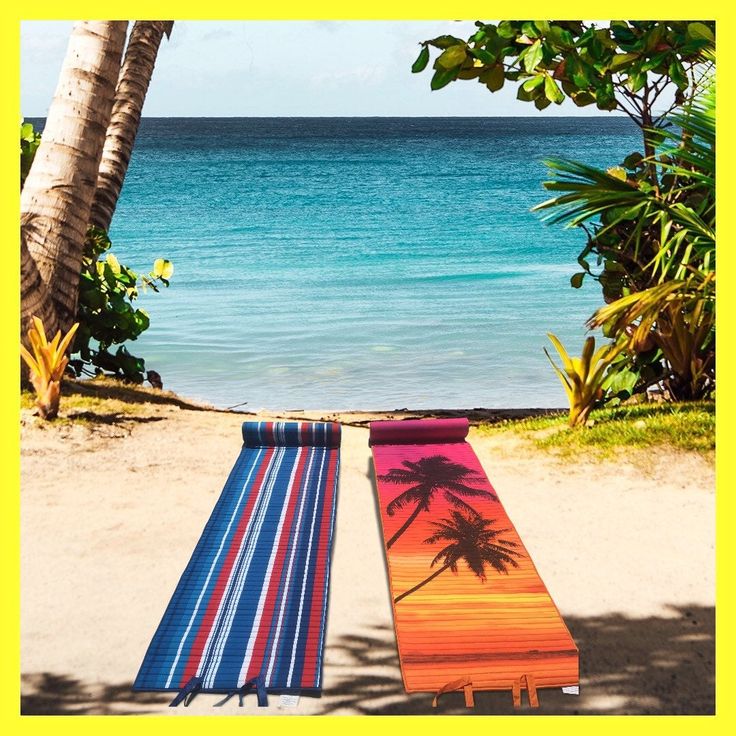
<point x="318" y="669"/>
<point x="236" y="509"/>
<point x="306" y="570"/>
<point x="209" y="649"/>
<point x="212" y="653"/>
<point x="267" y="576"/>
<point x="294" y="544"/>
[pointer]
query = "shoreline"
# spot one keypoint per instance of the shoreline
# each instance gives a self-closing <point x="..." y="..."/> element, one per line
<point x="112" y="389"/>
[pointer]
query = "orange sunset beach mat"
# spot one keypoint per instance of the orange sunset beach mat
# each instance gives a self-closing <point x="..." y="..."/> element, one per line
<point x="470" y="610"/>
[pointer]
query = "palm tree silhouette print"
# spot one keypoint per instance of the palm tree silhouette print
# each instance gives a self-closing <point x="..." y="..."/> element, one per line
<point x="429" y="476"/>
<point x="471" y="538"/>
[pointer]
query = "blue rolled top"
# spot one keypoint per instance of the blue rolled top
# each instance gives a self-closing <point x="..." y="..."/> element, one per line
<point x="291" y="434"/>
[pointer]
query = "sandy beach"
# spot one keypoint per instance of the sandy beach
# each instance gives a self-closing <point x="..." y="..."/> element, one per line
<point x="111" y="508"/>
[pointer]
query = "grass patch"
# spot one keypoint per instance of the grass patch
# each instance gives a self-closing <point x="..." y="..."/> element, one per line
<point x="104" y="400"/>
<point x="685" y="426"/>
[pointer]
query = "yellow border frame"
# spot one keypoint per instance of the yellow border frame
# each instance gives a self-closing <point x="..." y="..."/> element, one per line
<point x="11" y="15"/>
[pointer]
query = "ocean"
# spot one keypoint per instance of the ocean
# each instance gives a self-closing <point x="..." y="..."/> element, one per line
<point x="359" y="263"/>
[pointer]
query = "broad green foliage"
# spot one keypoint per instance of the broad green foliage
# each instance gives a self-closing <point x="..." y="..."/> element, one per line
<point x="583" y="378"/>
<point x="625" y="66"/>
<point x="106" y="313"/>
<point x="652" y="248"/>
<point x="29" y="142"/>
<point x="107" y="290"/>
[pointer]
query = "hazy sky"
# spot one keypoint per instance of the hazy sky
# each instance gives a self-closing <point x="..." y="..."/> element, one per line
<point x="285" y="68"/>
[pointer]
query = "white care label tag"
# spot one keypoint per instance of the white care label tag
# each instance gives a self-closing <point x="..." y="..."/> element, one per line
<point x="569" y="690"/>
<point x="288" y="701"/>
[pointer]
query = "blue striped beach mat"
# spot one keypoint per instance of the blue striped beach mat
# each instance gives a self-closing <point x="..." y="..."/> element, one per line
<point x="250" y="608"/>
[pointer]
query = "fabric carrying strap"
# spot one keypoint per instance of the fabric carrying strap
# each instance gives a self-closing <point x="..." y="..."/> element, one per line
<point x="531" y="687"/>
<point x="261" y="693"/>
<point x="463" y="683"/>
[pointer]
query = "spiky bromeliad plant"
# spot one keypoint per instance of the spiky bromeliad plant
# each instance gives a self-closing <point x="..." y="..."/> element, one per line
<point x="583" y="378"/>
<point x="47" y="365"/>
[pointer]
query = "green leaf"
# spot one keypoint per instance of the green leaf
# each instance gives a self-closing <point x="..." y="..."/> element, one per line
<point x="485" y="56"/>
<point x="452" y="57"/>
<point x="533" y="56"/>
<point x="470" y="72"/>
<point x="605" y="97"/>
<point x="633" y="160"/>
<point x="493" y="78"/>
<point x="541" y="102"/>
<point x="700" y="31"/>
<point x="442" y="77"/>
<point x="621" y="61"/>
<point x="617" y="173"/>
<point x="529" y="28"/>
<point x="421" y="63"/>
<point x="506" y="30"/>
<point x="581" y="99"/>
<point x="677" y="74"/>
<point x="636" y="81"/>
<point x="551" y="91"/>
<point x="524" y="95"/>
<point x="444" y="42"/>
<point x="535" y="81"/>
<point x="559" y="38"/>
<point x="654" y="61"/>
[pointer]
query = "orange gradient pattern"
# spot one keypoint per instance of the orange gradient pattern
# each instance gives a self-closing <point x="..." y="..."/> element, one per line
<point x="457" y="626"/>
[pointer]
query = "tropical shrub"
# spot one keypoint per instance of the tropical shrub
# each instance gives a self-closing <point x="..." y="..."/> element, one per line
<point x="107" y="290"/>
<point x="654" y="249"/>
<point x="46" y="366"/>
<point x="107" y="316"/>
<point x="583" y="378"/>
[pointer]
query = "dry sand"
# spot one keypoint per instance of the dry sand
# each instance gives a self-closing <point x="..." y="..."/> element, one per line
<point x="111" y="510"/>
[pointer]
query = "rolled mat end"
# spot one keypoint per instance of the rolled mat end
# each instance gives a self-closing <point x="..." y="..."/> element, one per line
<point x="291" y="434"/>
<point x="418" y="431"/>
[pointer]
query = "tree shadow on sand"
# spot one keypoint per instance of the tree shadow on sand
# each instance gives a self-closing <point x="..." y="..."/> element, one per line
<point x="45" y="693"/>
<point x="654" y="665"/>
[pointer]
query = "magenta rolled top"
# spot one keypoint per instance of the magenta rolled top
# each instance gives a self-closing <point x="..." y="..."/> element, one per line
<point x="418" y="431"/>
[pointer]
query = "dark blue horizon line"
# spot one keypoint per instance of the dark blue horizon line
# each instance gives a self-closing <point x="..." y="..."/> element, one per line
<point x="608" y="116"/>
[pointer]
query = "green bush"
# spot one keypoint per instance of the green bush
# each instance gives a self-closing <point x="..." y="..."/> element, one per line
<point x="106" y="314"/>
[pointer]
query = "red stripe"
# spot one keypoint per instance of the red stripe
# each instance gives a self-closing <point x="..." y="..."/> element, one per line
<point x="314" y="630"/>
<point x="195" y="653"/>
<point x="269" y="608"/>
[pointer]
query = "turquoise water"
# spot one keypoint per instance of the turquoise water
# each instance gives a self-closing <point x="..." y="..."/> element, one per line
<point x="358" y="263"/>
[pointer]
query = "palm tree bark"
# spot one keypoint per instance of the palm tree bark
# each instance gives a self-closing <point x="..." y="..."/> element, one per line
<point x="135" y="77"/>
<point x="404" y="526"/>
<point x="422" y="584"/>
<point x="57" y="195"/>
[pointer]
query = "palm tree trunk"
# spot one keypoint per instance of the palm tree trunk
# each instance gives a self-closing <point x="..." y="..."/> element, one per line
<point x="135" y="76"/>
<point x="57" y="195"/>
<point x="422" y="584"/>
<point x="404" y="526"/>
